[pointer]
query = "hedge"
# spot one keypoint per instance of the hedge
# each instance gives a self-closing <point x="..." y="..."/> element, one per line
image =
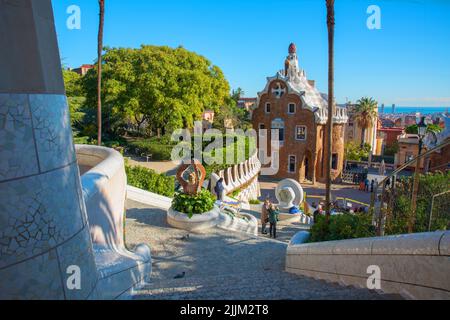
<point x="150" y="180"/>
<point x="343" y="226"/>
<point x="158" y="150"/>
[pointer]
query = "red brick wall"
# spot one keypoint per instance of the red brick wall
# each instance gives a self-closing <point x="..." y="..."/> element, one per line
<point x="309" y="150"/>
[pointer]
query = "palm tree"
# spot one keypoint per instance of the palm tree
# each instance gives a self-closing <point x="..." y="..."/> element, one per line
<point x="237" y="94"/>
<point x="99" y="70"/>
<point x="330" y="25"/>
<point x="365" y="115"/>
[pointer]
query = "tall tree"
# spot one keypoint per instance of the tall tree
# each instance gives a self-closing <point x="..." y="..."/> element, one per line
<point x="365" y="115"/>
<point x="330" y="25"/>
<point x="101" y="4"/>
<point x="164" y="88"/>
<point x="237" y="94"/>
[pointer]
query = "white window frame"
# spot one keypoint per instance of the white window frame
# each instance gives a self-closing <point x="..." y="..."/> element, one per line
<point x="306" y="133"/>
<point x="289" y="163"/>
<point x="265" y="107"/>
<point x="295" y="108"/>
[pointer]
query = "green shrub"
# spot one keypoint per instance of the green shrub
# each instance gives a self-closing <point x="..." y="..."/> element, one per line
<point x="150" y="180"/>
<point x="255" y="201"/>
<point x="198" y="204"/>
<point x="341" y="227"/>
<point x="399" y="213"/>
<point x="159" y="150"/>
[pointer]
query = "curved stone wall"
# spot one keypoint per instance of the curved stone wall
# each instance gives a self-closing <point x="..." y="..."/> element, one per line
<point x="415" y="266"/>
<point x="104" y="188"/>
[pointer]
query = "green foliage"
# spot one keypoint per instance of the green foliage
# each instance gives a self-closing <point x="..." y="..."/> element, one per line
<point x="235" y="193"/>
<point x="167" y="88"/>
<point x="340" y="227"/>
<point x="255" y="201"/>
<point x="72" y="83"/>
<point x="431" y="128"/>
<point x="201" y="203"/>
<point x="150" y="180"/>
<point x="160" y="149"/>
<point x="366" y="111"/>
<point x="429" y="185"/>
<point x="353" y="151"/>
<point x="392" y="150"/>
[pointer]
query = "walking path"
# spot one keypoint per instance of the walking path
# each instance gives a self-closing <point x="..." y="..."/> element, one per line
<point x="220" y="265"/>
<point x="167" y="167"/>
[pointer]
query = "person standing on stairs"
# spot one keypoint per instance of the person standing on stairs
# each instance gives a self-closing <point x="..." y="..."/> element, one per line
<point x="265" y="215"/>
<point x="273" y="219"/>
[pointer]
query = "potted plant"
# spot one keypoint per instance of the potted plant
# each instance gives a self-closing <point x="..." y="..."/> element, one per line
<point x="193" y="208"/>
<point x="200" y="203"/>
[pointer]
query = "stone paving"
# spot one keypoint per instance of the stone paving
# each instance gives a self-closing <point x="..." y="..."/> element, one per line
<point x="167" y="167"/>
<point x="221" y="265"/>
<point x="339" y="190"/>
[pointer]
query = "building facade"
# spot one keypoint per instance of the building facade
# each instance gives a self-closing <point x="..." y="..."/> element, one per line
<point x="354" y="132"/>
<point x="408" y="149"/>
<point x="83" y="70"/>
<point x="291" y="104"/>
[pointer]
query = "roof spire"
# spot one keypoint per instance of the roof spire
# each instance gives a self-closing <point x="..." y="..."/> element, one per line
<point x="292" y="48"/>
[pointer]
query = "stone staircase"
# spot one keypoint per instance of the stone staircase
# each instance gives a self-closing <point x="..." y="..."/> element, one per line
<point x="259" y="285"/>
<point x="221" y="265"/>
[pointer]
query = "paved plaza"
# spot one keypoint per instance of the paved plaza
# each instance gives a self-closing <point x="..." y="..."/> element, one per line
<point x="349" y="191"/>
<point x="220" y="264"/>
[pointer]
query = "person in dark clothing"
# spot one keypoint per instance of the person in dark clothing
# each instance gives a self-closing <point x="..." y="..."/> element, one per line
<point x="372" y="183"/>
<point x="219" y="189"/>
<point x="366" y="185"/>
<point x="273" y="219"/>
<point x="317" y="213"/>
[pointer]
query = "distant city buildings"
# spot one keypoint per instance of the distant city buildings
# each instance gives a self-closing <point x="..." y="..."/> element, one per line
<point x="208" y="119"/>
<point x="83" y="70"/>
<point x="353" y="131"/>
<point x="247" y="103"/>
<point x="408" y="145"/>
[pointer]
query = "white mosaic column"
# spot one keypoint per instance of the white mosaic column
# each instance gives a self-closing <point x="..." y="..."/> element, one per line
<point x="43" y="224"/>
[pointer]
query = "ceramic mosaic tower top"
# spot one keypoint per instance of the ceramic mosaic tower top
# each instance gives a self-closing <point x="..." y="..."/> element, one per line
<point x="43" y="224"/>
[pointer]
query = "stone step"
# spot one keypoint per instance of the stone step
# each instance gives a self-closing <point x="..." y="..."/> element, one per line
<point x="260" y="285"/>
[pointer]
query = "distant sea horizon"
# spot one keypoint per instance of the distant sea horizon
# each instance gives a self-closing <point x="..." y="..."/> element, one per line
<point x="413" y="110"/>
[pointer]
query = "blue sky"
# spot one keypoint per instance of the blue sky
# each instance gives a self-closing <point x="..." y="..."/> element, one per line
<point x="407" y="62"/>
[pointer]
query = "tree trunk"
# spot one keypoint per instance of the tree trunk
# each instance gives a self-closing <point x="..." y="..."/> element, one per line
<point x="363" y="136"/>
<point x="330" y="25"/>
<point x="99" y="70"/>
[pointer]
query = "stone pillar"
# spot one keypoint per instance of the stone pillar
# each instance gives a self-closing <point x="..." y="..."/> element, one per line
<point x="43" y="221"/>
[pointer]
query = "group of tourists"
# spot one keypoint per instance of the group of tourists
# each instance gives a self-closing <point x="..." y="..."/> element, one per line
<point x="367" y="185"/>
<point x="269" y="214"/>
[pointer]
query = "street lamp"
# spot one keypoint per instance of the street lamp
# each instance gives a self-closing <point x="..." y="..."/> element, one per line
<point x="421" y="130"/>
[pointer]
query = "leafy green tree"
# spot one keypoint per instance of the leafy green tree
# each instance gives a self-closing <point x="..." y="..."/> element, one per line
<point x="392" y="150"/>
<point x="354" y="152"/>
<point x="72" y="82"/>
<point x="163" y="87"/>
<point x="431" y="128"/>
<point x="365" y="115"/>
<point x="237" y="94"/>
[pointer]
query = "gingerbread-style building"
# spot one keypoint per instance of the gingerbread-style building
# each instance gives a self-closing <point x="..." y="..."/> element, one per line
<point x="291" y="103"/>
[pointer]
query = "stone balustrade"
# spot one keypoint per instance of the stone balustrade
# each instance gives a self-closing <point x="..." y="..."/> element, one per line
<point x="415" y="266"/>
<point x="104" y="186"/>
<point x="243" y="176"/>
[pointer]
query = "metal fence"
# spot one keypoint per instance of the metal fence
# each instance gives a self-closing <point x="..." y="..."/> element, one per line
<point x="392" y="202"/>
